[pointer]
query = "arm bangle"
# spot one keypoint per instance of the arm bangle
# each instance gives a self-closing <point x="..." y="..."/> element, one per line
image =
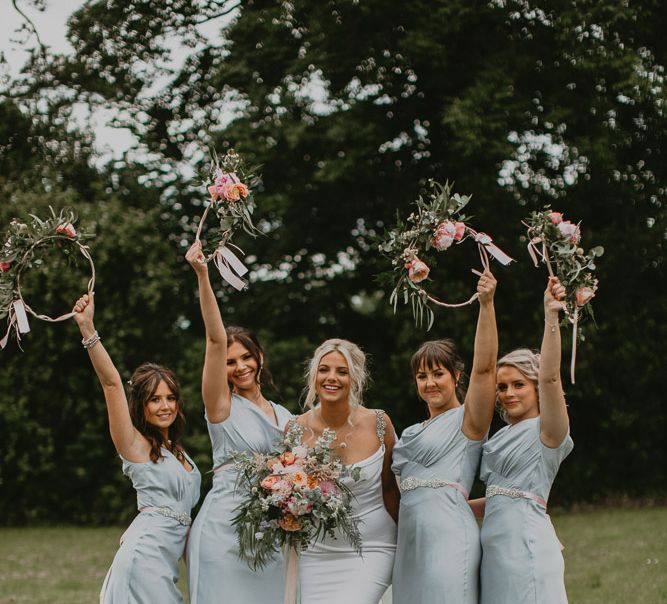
<point x="91" y="341"/>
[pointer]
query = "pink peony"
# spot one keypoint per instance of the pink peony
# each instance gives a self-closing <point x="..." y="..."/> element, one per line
<point x="444" y="235"/>
<point x="66" y="229"/>
<point x="584" y="295"/>
<point x="556" y="217"/>
<point x="417" y="271"/>
<point x="460" y="230"/>
<point x="570" y="231"/>
<point x="328" y="488"/>
<point x="4" y="266"/>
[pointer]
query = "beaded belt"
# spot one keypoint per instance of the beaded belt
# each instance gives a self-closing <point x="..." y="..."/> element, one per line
<point x="493" y="490"/>
<point x="411" y="483"/>
<point x="180" y="517"/>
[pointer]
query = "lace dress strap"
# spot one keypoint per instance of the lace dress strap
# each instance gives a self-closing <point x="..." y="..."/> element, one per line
<point x="380" y="425"/>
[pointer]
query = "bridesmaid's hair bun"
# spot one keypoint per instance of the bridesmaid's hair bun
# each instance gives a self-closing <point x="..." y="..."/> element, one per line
<point x="356" y="363"/>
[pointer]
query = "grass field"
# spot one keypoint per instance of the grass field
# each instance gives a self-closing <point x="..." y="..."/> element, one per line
<point x="611" y="556"/>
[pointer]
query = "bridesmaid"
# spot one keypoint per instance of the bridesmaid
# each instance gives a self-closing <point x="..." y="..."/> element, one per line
<point x="146" y="431"/>
<point x="522" y="561"/>
<point x="438" y="551"/>
<point x="239" y="418"/>
<point x="331" y="571"/>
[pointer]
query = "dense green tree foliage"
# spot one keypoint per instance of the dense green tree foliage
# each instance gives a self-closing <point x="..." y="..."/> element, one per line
<point x="350" y="107"/>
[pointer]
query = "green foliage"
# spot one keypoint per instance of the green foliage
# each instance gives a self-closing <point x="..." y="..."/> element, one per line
<point x="350" y="107"/>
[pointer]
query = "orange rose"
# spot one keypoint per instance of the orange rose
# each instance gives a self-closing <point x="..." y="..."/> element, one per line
<point x="287" y="458"/>
<point x="269" y="481"/>
<point x="312" y="482"/>
<point x="300" y="479"/>
<point x="289" y="523"/>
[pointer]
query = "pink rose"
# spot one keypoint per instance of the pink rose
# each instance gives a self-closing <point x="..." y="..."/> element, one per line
<point x="4" y="266"/>
<point x="213" y="190"/>
<point x="328" y="488"/>
<point x="570" y="231"/>
<point x="460" y="230"/>
<point x="584" y="295"/>
<point x="556" y="217"/>
<point x="66" y="229"/>
<point x="417" y="271"/>
<point x="444" y="235"/>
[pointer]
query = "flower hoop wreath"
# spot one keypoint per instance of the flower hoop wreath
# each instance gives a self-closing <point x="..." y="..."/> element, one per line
<point x="555" y="242"/>
<point x="233" y="203"/>
<point x="436" y="225"/>
<point x="24" y="245"/>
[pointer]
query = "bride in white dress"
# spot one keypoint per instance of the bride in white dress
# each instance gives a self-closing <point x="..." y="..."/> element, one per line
<point x="331" y="571"/>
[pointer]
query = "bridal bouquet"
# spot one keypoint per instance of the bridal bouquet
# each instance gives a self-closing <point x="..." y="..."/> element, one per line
<point x="292" y="497"/>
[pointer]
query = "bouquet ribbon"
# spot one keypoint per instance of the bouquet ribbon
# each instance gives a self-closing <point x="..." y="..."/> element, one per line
<point x="291" y="572"/>
<point x="230" y="267"/>
<point x="18" y="320"/>
<point x="540" y="252"/>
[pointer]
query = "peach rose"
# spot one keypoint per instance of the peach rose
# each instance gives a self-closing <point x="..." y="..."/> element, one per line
<point x="312" y="482"/>
<point x="584" y="295"/>
<point x="213" y="190"/>
<point x="4" y="266"/>
<point x="300" y="479"/>
<point x="287" y="458"/>
<point x="270" y="481"/>
<point x="556" y="217"/>
<point x="417" y="271"/>
<point x="66" y="229"/>
<point x="233" y="191"/>
<point x="289" y="523"/>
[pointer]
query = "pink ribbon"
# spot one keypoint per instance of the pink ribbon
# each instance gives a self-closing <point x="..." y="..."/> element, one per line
<point x="230" y="267"/>
<point x="493" y="249"/>
<point x="18" y="320"/>
<point x="291" y="575"/>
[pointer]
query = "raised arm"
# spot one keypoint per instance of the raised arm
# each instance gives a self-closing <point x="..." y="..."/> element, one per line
<point x="126" y="438"/>
<point x="481" y="396"/>
<point x="215" y="388"/>
<point x="554" y="421"/>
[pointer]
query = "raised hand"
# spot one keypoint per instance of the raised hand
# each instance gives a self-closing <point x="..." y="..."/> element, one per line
<point x="553" y="296"/>
<point x="486" y="287"/>
<point x="84" y="310"/>
<point x="196" y="259"/>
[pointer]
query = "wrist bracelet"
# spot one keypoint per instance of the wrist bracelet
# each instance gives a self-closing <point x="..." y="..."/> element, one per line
<point x="91" y="341"/>
<point x="553" y="326"/>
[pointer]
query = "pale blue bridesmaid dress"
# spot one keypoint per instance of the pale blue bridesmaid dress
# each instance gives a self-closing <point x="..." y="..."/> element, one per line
<point x="521" y="561"/>
<point x="145" y="568"/>
<point x="438" y="550"/>
<point x="216" y="574"/>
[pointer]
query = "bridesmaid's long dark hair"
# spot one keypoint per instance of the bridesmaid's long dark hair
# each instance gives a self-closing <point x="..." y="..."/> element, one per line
<point x="145" y="380"/>
<point x="249" y="341"/>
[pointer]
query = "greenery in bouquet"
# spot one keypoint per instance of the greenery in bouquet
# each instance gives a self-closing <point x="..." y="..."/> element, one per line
<point x="434" y="226"/>
<point x="27" y="243"/>
<point x="231" y="189"/>
<point x="292" y="497"/>
<point x="556" y="242"/>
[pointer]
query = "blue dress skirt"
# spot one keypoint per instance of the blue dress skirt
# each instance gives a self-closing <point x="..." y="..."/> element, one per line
<point x="521" y="555"/>
<point x="145" y="568"/>
<point x="216" y="573"/>
<point x="438" y="550"/>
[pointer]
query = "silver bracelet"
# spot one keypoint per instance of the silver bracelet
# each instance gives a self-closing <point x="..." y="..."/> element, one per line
<point x="554" y="326"/>
<point x="91" y="341"/>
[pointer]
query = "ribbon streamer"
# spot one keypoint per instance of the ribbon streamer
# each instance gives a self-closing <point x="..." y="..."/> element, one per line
<point x="18" y="320"/>
<point x="291" y="575"/>
<point x="229" y="267"/>
<point x="573" y="360"/>
<point x="493" y="249"/>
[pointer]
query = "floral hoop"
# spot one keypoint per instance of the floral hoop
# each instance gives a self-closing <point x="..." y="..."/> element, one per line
<point x="555" y="242"/>
<point x="436" y="225"/>
<point x="233" y="203"/>
<point x="19" y="252"/>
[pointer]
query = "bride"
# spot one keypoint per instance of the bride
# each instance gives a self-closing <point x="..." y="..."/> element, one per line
<point x="331" y="570"/>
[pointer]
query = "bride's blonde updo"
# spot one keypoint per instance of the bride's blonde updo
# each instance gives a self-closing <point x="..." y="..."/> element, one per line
<point x="356" y="363"/>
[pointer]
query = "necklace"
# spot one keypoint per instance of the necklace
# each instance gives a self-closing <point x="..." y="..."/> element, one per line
<point x="342" y="444"/>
